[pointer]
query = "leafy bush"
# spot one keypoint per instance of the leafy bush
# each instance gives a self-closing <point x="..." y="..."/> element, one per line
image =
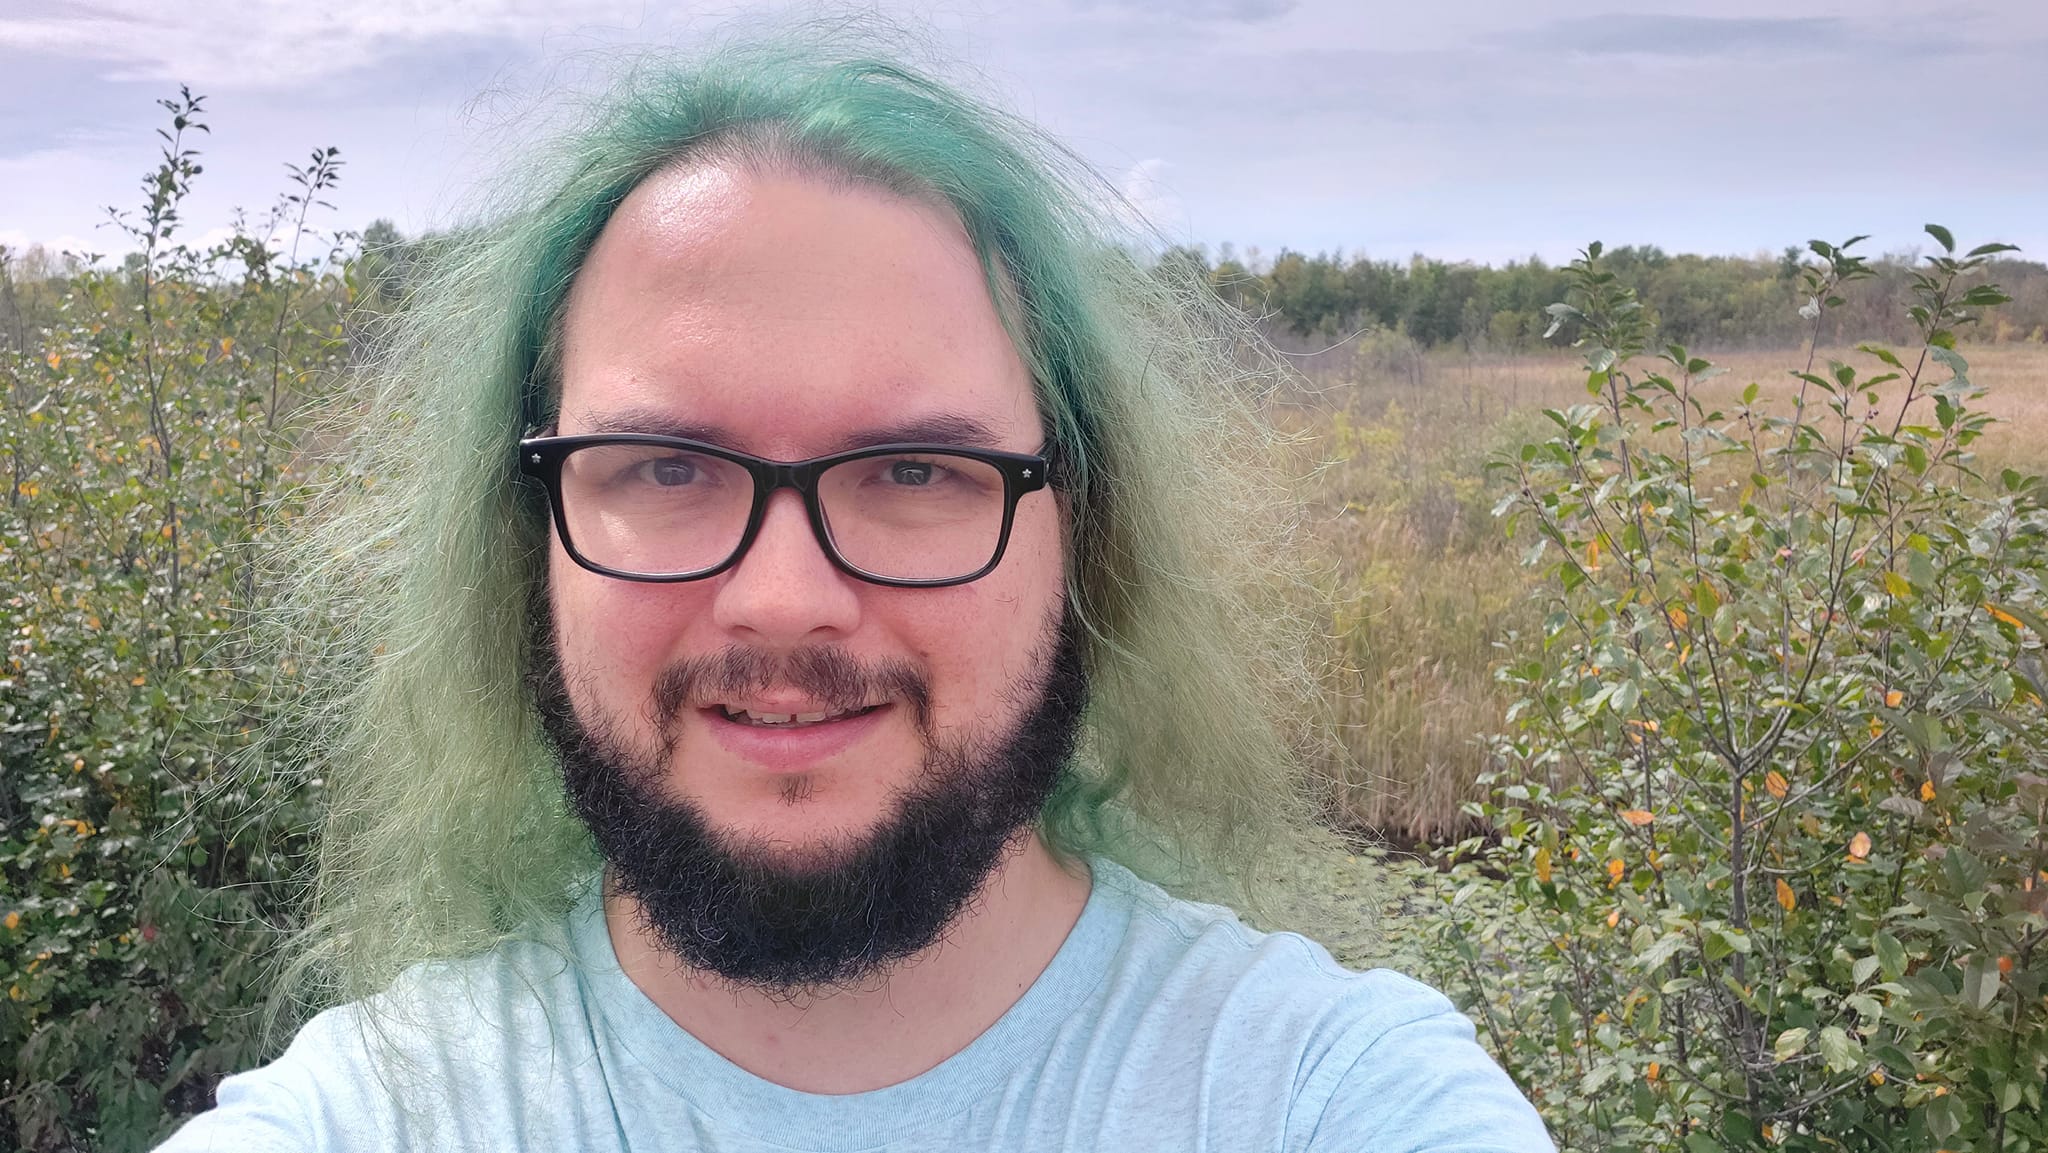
<point x="1774" y="872"/>
<point x="140" y="869"/>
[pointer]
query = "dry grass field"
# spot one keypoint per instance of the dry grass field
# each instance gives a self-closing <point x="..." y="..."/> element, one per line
<point x="1424" y="585"/>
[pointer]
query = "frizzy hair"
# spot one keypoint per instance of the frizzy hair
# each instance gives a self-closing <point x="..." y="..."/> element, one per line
<point x="407" y="591"/>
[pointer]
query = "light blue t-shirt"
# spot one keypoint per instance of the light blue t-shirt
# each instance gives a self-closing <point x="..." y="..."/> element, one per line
<point x="1160" y="1024"/>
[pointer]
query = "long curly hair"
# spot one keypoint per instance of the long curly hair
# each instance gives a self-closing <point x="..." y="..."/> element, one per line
<point x="407" y="594"/>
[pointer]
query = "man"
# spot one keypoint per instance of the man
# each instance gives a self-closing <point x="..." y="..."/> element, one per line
<point x="802" y="488"/>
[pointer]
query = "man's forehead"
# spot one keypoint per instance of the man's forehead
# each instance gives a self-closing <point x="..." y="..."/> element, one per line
<point x="947" y="428"/>
<point x="795" y="319"/>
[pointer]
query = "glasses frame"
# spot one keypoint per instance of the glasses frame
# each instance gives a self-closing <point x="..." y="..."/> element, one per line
<point x="541" y="458"/>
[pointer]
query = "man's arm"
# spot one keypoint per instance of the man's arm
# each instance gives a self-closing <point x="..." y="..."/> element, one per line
<point x="253" y="1113"/>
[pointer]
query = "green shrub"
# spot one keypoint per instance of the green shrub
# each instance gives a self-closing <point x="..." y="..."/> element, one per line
<point x="141" y="868"/>
<point x="1778" y="873"/>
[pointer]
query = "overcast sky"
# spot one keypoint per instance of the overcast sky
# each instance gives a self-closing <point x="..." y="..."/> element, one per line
<point x="1467" y="129"/>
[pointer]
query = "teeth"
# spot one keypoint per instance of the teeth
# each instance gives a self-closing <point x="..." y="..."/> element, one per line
<point x="746" y="717"/>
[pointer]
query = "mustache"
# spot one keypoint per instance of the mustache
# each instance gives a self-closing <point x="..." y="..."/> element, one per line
<point x="836" y="678"/>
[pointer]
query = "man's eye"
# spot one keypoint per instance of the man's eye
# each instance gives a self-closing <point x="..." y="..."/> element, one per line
<point x="668" y="473"/>
<point x="910" y="472"/>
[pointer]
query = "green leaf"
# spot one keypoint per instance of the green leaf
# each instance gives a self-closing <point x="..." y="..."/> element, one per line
<point x="1944" y="1117"/>
<point x="1980" y="981"/>
<point x="1842" y="1053"/>
<point x="1946" y="239"/>
<point x="1790" y="1043"/>
<point x="1654" y="957"/>
<point x="1864" y="968"/>
<point x="1738" y="1130"/>
<point x="1891" y="955"/>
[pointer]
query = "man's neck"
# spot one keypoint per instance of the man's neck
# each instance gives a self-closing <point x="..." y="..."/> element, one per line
<point x="895" y="1027"/>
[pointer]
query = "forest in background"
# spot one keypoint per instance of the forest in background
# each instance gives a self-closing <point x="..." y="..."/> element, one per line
<point x="1704" y="302"/>
<point x="1302" y="301"/>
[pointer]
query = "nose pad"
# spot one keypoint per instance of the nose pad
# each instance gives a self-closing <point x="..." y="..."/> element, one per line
<point x="786" y="587"/>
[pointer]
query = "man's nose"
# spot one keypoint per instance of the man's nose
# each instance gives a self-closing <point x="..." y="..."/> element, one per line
<point x="785" y="591"/>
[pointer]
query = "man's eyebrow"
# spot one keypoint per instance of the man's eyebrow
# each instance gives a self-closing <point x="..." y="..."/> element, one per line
<point x="654" y="423"/>
<point x="938" y="428"/>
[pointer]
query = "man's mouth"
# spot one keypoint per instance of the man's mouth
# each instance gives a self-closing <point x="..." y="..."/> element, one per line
<point x="762" y="718"/>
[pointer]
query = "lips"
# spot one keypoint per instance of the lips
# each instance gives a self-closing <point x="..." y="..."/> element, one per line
<point x="788" y="738"/>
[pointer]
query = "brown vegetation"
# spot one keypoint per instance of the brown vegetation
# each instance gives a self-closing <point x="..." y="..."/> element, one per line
<point x="1426" y="585"/>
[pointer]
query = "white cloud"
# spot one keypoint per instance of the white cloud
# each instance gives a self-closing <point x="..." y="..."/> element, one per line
<point x="16" y="242"/>
<point x="279" y="43"/>
<point x="1149" y="203"/>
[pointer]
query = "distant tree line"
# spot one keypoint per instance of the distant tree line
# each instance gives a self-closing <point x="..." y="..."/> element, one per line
<point x="1709" y="302"/>
<point x="1705" y="302"/>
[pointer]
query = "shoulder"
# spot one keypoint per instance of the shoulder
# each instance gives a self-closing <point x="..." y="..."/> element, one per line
<point x="380" y="1073"/>
<point x="1189" y="952"/>
<point x="1370" y="1059"/>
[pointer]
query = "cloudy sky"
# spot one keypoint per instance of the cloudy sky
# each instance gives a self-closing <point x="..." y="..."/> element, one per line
<point x="1468" y="129"/>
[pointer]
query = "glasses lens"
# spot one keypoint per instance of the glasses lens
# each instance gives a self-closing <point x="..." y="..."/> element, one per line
<point x="654" y="510"/>
<point x="914" y="516"/>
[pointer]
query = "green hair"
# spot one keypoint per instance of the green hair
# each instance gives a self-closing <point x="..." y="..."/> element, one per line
<point x="410" y="588"/>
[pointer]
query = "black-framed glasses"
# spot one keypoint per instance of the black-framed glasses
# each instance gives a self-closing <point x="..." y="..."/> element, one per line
<point x="644" y="507"/>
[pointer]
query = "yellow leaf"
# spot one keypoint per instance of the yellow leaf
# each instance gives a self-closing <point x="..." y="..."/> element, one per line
<point x="1615" y="869"/>
<point x="1678" y="617"/>
<point x="1896" y="585"/>
<point x="1775" y="785"/>
<point x="1859" y="847"/>
<point x="54" y="359"/>
<point x="14" y="920"/>
<point x="1543" y="865"/>
<point x="1926" y="790"/>
<point x="140" y="680"/>
<point x="1893" y="698"/>
<point x="1593" y="555"/>
<point x="1613" y="917"/>
<point x="1785" y="896"/>
<point x="2001" y="614"/>
<point x="1637" y="817"/>
<point x="1877" y="1076"/>
<point x="1876" y="728"/>
<point x="1654" y="1070"/>
<point x="227" y="345"/>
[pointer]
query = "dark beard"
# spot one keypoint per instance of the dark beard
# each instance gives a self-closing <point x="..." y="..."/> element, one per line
<point x="831" y="918"/>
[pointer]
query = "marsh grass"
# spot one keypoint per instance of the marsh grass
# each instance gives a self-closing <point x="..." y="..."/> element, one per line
<point x="1426" y="587"/>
